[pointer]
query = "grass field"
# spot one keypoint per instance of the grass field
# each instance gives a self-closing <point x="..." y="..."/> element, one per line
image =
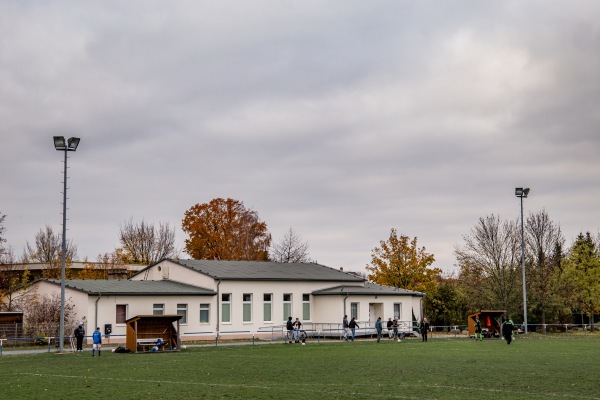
<point x="533" y="367"/>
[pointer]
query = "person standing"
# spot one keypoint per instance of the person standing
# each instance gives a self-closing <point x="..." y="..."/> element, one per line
<point x="424" y="328"/>
<point x="297" y="325"/>
<point x="378" y="328"/>
<point x="507" y="330"/>
<point x="79" y="335"/>
<point x="389" y="327"/>
<point x="478" y="334"/>
<point x="395" y="328"/>
<point x="290" y="329"/>
<point x="353" y="325"/>
<point x="97" y="339"/>
<point x="346" y="328"/>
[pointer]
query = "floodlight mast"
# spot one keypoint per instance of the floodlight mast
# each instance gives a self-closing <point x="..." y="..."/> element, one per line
<point x="523" y="193"/>
<point x="61" y="145"/>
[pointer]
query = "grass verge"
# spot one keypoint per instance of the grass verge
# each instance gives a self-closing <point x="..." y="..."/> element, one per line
<point x="532" y="367"/>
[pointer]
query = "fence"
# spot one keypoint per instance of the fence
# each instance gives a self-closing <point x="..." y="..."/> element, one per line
<point x="11" y="335"/>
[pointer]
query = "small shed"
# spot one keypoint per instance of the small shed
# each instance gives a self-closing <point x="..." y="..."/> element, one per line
<point x="490" y="322"/>
<point x="11" y="324"/>
<point x="143" y="332"/>
<point x="11" y="317"/>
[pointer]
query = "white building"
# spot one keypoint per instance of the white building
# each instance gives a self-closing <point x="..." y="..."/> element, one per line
<point x="237" y="298"/>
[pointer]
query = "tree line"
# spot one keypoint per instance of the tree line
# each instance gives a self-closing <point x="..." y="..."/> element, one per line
<point x="563" y="285"/>
<point x="222" y="229"/>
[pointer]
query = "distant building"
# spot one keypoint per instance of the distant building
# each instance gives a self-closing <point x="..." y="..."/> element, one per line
<point x="36" y="269"/>
<point x="236" y="298"/>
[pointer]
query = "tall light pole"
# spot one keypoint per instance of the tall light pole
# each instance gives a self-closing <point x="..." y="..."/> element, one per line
<point x="61" y="144"/>
<point x="522" y="193"/>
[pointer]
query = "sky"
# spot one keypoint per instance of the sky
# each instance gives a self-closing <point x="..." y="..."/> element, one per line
<point x="338" y="119"/>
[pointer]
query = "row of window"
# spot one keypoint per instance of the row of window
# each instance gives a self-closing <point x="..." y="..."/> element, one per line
<point x="226" y="306"/>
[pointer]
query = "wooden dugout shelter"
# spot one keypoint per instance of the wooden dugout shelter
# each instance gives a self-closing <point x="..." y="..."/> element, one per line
<point x="144" y="330"/>
<point x="490" y="320"/>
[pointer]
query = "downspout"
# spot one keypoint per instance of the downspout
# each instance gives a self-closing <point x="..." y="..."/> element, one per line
<point x="96" y="317"/>
<point x="218" y="308"/>
<point x="421" y="306"/>
<point x="345" y="298"/>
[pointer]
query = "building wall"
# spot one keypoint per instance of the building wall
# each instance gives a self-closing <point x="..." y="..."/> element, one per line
<point x="331" y="308"/>
<point x="321" y="309"/>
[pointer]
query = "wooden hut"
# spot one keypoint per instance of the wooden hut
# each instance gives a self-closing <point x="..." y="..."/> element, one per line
<point x="11" y="324"/>
<point x="144" y="332"/>
<point x="490" y="322"/>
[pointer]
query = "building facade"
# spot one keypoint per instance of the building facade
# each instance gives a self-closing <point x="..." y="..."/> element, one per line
<point x="234" y="299"/>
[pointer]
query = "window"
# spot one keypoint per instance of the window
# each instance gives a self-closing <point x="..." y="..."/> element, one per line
<point x="226" y="307"/>
<point x="267" y="306"/>
<point x="398" y="311"/>
<point x="247" y="307"/>
<point x="182" y="310"/>
<point x="121" y="313"/>
<point x="306" y="307"/>
<point x="287" y="306"/>
<point x="158" y="309"/>
<point x="354" y="310"/>
<point x="204" y="313"/>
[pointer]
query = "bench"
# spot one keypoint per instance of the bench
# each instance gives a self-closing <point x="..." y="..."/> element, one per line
<point x="148" y="343"/>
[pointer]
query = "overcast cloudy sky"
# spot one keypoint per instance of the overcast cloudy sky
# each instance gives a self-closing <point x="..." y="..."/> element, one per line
<point x="340" y="119"/>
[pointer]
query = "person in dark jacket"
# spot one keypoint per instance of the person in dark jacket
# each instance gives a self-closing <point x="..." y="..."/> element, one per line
<point x="290" y="328"/>
<point x="389" y="327"/>
<point x="378" y="328"/>
<point x="79" y="335"/>
<point x="424" y="328"/>
<point x="353" y="325"/>
<point x="507" y="330"/>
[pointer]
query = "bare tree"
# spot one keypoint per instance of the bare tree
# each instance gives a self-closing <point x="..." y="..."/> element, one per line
<point x="144" y="244"/>
<point x="290" y="249"/>
<point x="2" y="230"/>
<point x="544" y="242"/>
<point x="42" y="314"/>
<point x="490" y="257"/>
<point x="12" y="277"/>
<point x="48" y="249"/>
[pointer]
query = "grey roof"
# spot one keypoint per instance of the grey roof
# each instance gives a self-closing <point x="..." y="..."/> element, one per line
<point x="367" y="289"/>
<point x="267" y="271"/>
<point x="134" y="288"/>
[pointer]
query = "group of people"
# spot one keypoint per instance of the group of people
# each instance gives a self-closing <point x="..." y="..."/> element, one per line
<point x="349" y="328"/>
<point x="392" y="327"/>
<point x="293" y="328"/>
<point x="96" y="339"/>
<point x="506" y="330"/>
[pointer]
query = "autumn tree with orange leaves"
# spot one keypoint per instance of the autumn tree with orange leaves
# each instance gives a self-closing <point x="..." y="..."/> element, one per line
<point x="225" y="230"/>
<point x="400" y="263"/>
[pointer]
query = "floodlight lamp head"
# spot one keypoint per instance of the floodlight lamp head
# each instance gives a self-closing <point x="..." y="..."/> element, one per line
<point x="73" y="143"/>
<point x="59" y="143"/>
<point x="520" y="192"/>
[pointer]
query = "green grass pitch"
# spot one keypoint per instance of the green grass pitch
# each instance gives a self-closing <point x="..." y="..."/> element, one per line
<point x="532" y="367"/>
